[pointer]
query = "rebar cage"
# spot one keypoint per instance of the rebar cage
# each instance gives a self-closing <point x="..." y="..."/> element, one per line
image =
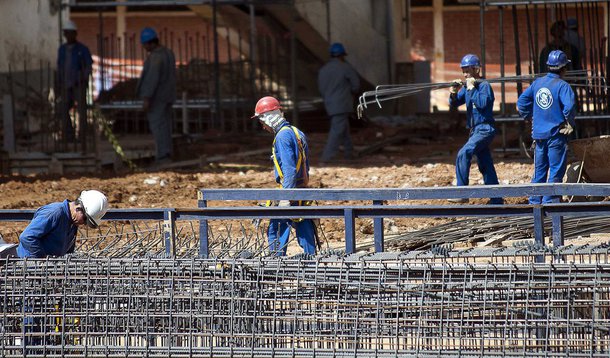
<point x="377" y="305"/>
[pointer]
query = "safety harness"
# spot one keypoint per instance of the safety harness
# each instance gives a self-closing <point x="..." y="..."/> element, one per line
<point x="301" y="160"/>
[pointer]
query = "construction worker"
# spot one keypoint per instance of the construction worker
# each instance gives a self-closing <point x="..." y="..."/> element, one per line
<point x="558" y="42"/>
<point x="290" y="155"/>
<point x="338" y="82"/>
<point x="479" y="99"/>
<point x="549" y="102"/>
<point x="52" y="231"/>
<point x="157" y="90"/>
<point x="74" y="65"/>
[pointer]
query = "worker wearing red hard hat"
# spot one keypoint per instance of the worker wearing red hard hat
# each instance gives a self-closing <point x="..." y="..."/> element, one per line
<point x="290" y="155"/>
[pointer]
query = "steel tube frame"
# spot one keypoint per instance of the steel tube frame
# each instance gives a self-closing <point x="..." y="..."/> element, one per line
<point x="377" y="211"/>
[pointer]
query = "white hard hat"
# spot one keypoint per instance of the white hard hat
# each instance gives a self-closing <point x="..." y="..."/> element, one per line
<point x="70" y="25"/>
<point x="95" y="204"/>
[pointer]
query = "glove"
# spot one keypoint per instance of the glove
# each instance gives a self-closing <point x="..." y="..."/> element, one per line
<point x="284" y="203"/>
<point x="470" y="83"/>
<point x="566" y="129"/>
<point x="455" y="86"/>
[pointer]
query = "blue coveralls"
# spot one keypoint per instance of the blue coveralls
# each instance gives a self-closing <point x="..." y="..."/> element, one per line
<point x="74" y="65"/>
<point x="291" y="173"/>
<point x="550" y="102"/>
<point x="337" y="82"/>
<point x="479" y="112"/>
<point x="50" y="233"/>
<point x="158" y="83"/>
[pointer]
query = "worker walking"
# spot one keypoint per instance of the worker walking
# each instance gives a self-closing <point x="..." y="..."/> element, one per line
<point x="157" y="90"/>
<point x="549" y="102"/>
<point x="74" y="65"/>
<point x="52" y="231"/>
<point x="338" y="82"/>
<point x="479" y="99"/>
<point x="290" y="156"/>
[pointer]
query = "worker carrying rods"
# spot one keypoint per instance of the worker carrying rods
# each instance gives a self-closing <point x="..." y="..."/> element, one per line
<point x="382" y="93"/>
<point x="290" y="156"/>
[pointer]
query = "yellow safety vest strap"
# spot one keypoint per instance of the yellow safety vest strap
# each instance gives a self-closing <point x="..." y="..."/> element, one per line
<point x="300" y="160"/>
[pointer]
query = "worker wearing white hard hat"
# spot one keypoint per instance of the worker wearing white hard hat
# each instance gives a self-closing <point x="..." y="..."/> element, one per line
<point x="52" y="231"/>
<point x="74" y="65"/>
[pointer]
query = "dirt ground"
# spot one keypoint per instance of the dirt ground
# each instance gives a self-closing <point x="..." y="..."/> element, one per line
<point x="425" y="160"/>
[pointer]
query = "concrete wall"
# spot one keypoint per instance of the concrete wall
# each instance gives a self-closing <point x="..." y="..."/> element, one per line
<point x="29" y="31"/>
<point x="352" y="24"/>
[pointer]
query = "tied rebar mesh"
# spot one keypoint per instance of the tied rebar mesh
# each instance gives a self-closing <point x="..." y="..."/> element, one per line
<point x="334" y="306"/>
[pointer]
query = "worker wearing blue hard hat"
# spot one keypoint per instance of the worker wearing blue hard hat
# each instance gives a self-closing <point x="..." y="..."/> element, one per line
<point x="549" y="103"/>
<point x="478" y="96"/>
<point x="157" y="90"/>
<point x="338" y="82"/>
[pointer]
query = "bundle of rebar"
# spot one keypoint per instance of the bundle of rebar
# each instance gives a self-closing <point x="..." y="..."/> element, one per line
<point x="327" y="307"/>
<point x="382" y="93"/>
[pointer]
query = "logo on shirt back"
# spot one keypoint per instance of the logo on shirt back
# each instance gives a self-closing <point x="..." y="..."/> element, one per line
<point x="544" y="99"/>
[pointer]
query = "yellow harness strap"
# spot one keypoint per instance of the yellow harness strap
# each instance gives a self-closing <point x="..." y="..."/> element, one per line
<point x="301" y="159"/>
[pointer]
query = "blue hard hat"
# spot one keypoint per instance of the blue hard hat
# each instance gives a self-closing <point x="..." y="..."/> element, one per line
<point x="557" y="59"/>
<point x="470" y="60"/>
<point x="148" y="34"/>
<point x="337" y="49"/>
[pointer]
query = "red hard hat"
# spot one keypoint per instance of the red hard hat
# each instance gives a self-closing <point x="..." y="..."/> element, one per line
<point x="266" y="104"/>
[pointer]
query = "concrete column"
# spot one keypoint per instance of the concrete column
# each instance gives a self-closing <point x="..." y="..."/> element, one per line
<point x="121" y="26"/>
<point x="439" y="41"/>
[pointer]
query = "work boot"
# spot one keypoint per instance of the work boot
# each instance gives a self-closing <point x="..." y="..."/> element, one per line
<point x="458" y="200"/>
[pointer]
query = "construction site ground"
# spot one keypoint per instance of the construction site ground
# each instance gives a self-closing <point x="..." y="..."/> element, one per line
<point x="425" y="159"/>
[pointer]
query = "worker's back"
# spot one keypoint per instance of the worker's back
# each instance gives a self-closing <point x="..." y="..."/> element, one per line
<point x="337" y="82"/>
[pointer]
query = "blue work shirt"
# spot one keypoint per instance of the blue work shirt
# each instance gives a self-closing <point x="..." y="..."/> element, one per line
<point x="337" y="83"/>
<point x="549" y="100"/>
<point x="286" y="147"/>
<point x="479" y="103"/>
<point x="50" y="233"/>
<point x="80" y="63"/>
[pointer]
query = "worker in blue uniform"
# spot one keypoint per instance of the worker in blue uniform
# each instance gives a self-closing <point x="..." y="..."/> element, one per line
<point x="52" y="231"/>
<point x="479" y="98"/>
<point x="549" y="102"/>
<point x="290" y="156"/>
<point x="74" y="66"/>
<point x="338" y="82"/>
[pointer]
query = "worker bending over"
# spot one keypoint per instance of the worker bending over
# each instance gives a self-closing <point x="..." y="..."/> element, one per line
<point x="479" y="99"/>
<point x="290" y="155"/>
<point x="52" y="231"/>
<point x="549" y="102"/>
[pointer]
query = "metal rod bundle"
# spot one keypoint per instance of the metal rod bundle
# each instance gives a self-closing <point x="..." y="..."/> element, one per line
<point x="329" y="307"/>
<point x="382" y="93"/>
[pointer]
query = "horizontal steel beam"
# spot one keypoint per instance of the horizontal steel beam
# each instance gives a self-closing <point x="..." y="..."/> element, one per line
<point x="536" y="2"/>
<point x="473" y="191"/>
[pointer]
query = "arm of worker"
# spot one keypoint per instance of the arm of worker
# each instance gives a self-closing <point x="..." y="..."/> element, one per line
<point x="87" y="63"/>
<point x="150" y="80"/>
<point x="525" y="103"/>
<point x="30" y="238"/>
<point x="287" y="156"/>
<point x="482" y="95"/>
<point x="567" y="98"/>
<point x="354" y="79"/>
<point x="457" y="99"/>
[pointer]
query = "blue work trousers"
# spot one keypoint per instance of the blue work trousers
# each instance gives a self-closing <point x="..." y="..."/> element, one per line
<point x="160" y="123"/>
<point x="550" y="162"/>
<point x="478" y="144"/>
<point x="338" y="134"/>
<point x="279" y="233"/>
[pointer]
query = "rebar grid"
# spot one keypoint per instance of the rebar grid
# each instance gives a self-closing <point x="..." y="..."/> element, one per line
<point x="228" y="238"/>
<point x="331" y="306"/>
